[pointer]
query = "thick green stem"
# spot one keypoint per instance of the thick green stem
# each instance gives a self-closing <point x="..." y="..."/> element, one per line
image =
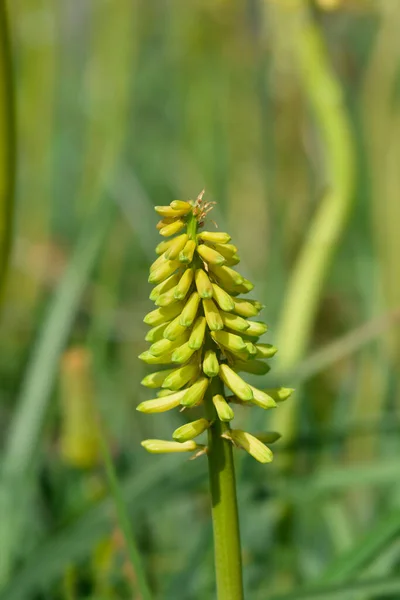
<point x="228" y="562"/>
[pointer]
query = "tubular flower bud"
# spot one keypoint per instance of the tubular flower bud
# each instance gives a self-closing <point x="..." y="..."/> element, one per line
<point x="210" y="364"/>
<point x="202" y="332"/>
<point x="203" y="284"/>
<point x="209" y="255"/>
<point x="250" y="443"/>
<point x="191" y="430"/>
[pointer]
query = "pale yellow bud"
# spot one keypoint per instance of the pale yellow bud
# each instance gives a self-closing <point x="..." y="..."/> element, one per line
<point x="168" y="211"/>
<point x="186" y="255"/>
<point x="265" y="350"/>
<point x="181" y="205"/>
<point x="268" y="437"/>
<point x="210" y="364"/>
<point x="190" y="430"/>
<point x="197" y="336"/>
<point x="167" y="298"/>
<point x="234" y="322"/>
<point x="227" y="250"/>
<point x="235" y="383"/>
<point x="216" y="237"/>
<point x="279" y="394"/>
<point x="195" y="394"/>
<point x="161" y="315"/>
<point x="256" y="328"/>
<point x="223" y="299"/>
<point x="244" y="308"/>
<point x="224" y="411"/>
<point x="172" y="228"/>
<point x="249" y="443"/>
<point x="174" y="329"/>
<point x="166" y="447"/>
<point x="189" y="312"/>
<point x="162" y="272"/>
<point x="209" y="255"/>
<point x="177" y="245"/>
<point x="150" y="359"/>
<point x="212" y="314"/>
<point x="155" y="380"/>
<point x="227" y="275"/>
<point x="256" y="367"/>
<point x="203" y="284"/>
<point x="163" y="246"/>
<point x="164" y="286"/>
<point x="184" y="284"/>
<point x="158" y="405"/>
<point x="182" y="354"/>
<point x="159" y="262"/>
<point x="262" y="399"/>
<point x="166" y="346"/>
<point x="231" y="341"/>
<point x="177" y="378"/>
<point x="157" y="333"/>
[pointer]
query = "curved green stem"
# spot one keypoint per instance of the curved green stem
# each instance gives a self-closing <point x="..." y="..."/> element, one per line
<point x="227" y="551"/>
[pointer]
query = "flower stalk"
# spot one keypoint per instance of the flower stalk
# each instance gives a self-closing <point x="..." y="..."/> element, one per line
<point x="202" y="332"/>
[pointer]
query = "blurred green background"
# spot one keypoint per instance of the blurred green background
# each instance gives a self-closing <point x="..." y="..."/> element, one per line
<point x="288" y="113"/>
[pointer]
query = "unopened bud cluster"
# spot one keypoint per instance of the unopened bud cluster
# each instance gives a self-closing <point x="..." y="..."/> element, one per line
<point x="202" y="329"/>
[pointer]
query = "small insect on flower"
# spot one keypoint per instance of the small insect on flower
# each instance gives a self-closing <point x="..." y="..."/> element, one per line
<point x="201" y="330"/>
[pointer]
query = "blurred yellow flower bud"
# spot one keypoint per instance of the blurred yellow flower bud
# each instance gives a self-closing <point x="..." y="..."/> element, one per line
<point x="224" y="411"/>
<point x="195" y="394"/>
<point x="165" y="447"/>
<point x="209" y="255"/>
<point x="251" y="444"/>
<point x="235" y="383"/>
<point x="190" y="430"/>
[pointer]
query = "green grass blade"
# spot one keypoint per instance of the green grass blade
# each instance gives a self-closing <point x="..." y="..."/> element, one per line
<point x="369" y="589"/>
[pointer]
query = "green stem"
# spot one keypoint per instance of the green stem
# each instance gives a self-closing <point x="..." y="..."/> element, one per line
<point x="227" y="551"/>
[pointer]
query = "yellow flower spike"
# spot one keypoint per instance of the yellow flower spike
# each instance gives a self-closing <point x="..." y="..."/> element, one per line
<point x="203" y="284"/>
<point x="166" y="346"/>
<point x="155" y="380"/>
<point x="186" y="255"/>
<point x="191" y="430"/>
<point x="217" y="237"/>
<point x="227" y="275"/>
<point x="189" y="312"/>
<point x="163" y="246"/>
<point x="166" y="447"/>
<point x="197" y="335"/>
<point x="150" y="359"/>
<point x="256" y="367"/>
<point x="235" y="383"/>
<point x="158" y="405"/>
<point x="210" y="256"/>
<point x="279" y="394"/>
<point x="224" y="411"/>
<point x="212" y="314"/>
<point x="157" y="333"/>
<point x="182" y="354"/>
<point x="234" y="322"/>
<point x="265" y="350"/>
<point x="163" y="271"/>
<point x="177" y="245"/>
<point x="184" y="284"/>
<point x="227" y="250"/>
<point x="177" y="378"/>
<point x="249" y="443"/>
<point x="223" y="299"/>
<point x="181" y="205"/>
<point x="167" y="298"/>
<point x="168" y="211"/>
<point x="195" y="394"/>
<point x="256" y="328"/>
<point x="161" y="315"/>
<point x="164" y="286"/>
<point x="210" y="364"/>
<point x="174" y="329"/>
<point x="262" y="399"/>
<point x="172" y="228"/>
<point x="231" y="341"/>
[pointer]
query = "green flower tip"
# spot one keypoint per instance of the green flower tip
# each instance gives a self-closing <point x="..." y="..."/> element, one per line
<point x="203" y="329"/>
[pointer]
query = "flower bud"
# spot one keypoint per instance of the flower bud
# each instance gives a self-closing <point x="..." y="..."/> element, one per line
<point x="234" y="322"/>
<point x="262" y="399"/>
<point x="233" y="260"/>
<point x="268" y="437"/>
<point x="224" y="411"/>
<point x="156" y="333"/>
<point x="160" y="260"/>
<point x="155" y="380"/>
<point x="265" y="350"/>
<point x="158" y="405"/>
<point x="163" y="246"/>
<point x="166" y="346"/>
<point x="213" y="317"/>
<point x="167" y="298"/>
<point x="150" y="359"/>
<point x="256" y="328"/>
<point x="168" y="211"/>
<point x="203" y="284"/>
<point x="190" y="430"/>
<point x="279" y="394"/>
<point x="174" y="329"/>
<point x="249" y="443"/>
<point x="210" y="364"/>
<point x="227" y="275"/>
<point x="197" y="336"/>
<point x="186" y="255"/>
<point x="177" y="245"/>
<point x="227" y="250"/>
<point x="245" y="287"/>
<point x="217" y="237"/>
<point x="182" y="354"/>
<point x="162" y="446"/>
<point x="222" y="298"/>
<point x="231" y="341"/>
<point x="209" y="255"/>
<point x="188" y="314"/>
<point x="181" y="205"/>
<point x="165" y="392"/>
<point x="184" y="284"/>
<point x="161" y="315"/>
<point x="172" y="228"/>
<point x="256" y="367"/>
<point x="245" y="308"/>
<point x="235" y="383"/>
<point x="162" y="272"/>
<point x="164" y="286"/>
<point x="195" y="394"/>
<point x="177" y="378"/>
<point x="164" y="222"/>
